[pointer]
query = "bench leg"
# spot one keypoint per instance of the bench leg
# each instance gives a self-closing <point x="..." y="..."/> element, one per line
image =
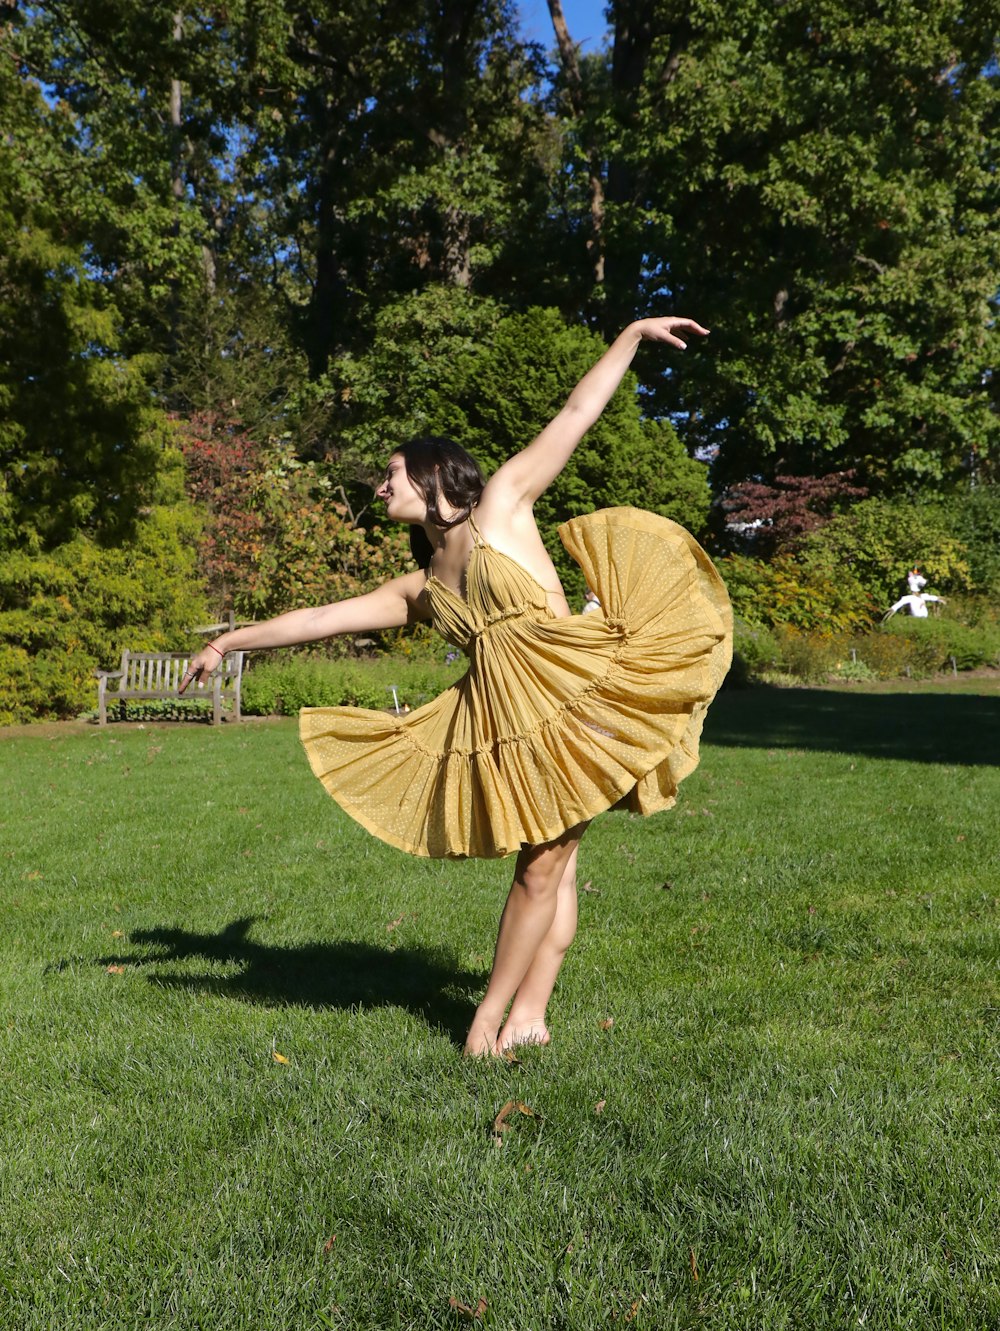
<point x="102" y="705"/>
<point x="217" y="702"/>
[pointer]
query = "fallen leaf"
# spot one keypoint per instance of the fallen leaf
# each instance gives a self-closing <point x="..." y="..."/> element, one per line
<point x="470" y="1314"/>
<point x="278" y="1058"/>
<point x="694" y="1264"/>
<point x="599" y="1107"/>
<point x="630" y="1315"/>
<point x="510" y="1057"/>
<point x="116" y="970"/>
<point x="960" y="838"/>
<point x="328" y="1245"/>
<point x="666" y="887"/>
<point x="117" y="933"/>
<point x="588" y="886"/>
<point x="607" y="1023"/>
<point x="500" y="1124"/>
<point x="394" y="924"/>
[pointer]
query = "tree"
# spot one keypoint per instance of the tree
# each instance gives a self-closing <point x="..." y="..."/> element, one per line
<point x="80" y="440"/>
<point x="816" y="183"/>
<point x="341" y="156"/>
<point x="768" y="518"/>
<point x="495" y="400"/>
<point x="279" y="532"/>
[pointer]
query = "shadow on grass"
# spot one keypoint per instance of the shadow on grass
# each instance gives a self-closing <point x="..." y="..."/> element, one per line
<point x="915" y="727"/>
<point x="321" y="975"/>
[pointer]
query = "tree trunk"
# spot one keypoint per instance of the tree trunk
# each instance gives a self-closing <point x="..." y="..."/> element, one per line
<point x="595" y="178"/>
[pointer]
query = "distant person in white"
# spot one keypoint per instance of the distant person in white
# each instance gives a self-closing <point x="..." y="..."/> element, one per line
<point x="917" y="599"/>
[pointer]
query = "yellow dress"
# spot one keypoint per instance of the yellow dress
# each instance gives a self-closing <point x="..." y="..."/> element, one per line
<point x="557" y="719"/>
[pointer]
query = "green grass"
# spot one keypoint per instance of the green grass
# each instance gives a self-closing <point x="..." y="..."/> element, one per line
<point x="799" y="1098"/>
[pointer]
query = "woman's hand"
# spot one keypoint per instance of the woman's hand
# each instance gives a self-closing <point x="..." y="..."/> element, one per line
<point x="201" y="666"/>
<point x="665" y="330"/>
<point x="528" y="474"/>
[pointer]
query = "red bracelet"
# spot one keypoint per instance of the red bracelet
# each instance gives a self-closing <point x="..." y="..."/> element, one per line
<point x="215" y="649"/>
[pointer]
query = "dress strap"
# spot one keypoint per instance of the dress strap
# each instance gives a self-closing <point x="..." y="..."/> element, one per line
<point x="477" y="535"/>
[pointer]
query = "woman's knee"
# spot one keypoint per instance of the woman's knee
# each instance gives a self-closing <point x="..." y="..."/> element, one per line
<point x="540" y="881"/>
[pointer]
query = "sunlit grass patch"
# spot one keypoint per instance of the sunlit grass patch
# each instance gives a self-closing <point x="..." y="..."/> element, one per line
<point x="233" y="1095"/>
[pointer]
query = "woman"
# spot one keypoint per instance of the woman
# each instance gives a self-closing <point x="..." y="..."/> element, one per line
<point x="559" y="717"/>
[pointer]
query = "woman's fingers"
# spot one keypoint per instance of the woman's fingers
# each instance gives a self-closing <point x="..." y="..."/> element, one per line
<point x="197" y="671"/>
<point x="665" y="330"/>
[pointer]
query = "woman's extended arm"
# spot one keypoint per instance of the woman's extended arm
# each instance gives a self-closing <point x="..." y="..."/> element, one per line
<point x="392" y="605"/>
<point x="529" y="473"/>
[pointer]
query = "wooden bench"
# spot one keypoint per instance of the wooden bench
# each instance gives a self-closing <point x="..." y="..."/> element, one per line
<point x="158" y="675"/>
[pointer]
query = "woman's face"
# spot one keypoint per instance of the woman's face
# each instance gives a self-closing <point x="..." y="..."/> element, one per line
<point x="403" y="501"/>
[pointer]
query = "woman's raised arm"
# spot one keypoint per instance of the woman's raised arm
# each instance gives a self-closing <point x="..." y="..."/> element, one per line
<point x="529" y="473"/>
<point x="392" y="605"/>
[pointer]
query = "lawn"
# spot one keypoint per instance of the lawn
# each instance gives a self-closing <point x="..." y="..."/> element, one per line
<point x="232" y="1093"/>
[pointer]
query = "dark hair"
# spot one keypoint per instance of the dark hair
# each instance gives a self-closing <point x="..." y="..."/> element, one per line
<point x="440" y="468"/>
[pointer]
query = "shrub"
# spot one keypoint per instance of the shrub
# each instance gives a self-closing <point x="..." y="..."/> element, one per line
<point x="282" y="686"/>
<point x="755" y="651"/>
<point x="157" y="709"/>
<point x="803" y="591"/>
<point x="809" y="656"/>
<point x="938" y="641"/>
<point x="65" y="613"/>
<point x="879" y="540"/>
<point x="974" y="519"/>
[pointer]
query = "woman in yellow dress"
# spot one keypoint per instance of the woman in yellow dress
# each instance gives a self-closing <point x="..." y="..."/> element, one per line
<point x="559" y="716"/>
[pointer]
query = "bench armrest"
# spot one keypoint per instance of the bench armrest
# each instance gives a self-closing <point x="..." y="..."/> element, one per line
<point x="108" y="674"/>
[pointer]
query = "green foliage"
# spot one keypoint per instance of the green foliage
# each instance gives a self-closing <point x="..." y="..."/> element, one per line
<point x="804" y="591"/>
<point x="279" y="533"/>
<point x="879" y="540"/>
<point x="79" y="438"/>
<point x="281" y="687"/>
<point x="73" y="610"/>
<point x="499" y="399"/>
<point x="399" y="385"/>
<point x="756" y="652"/>
<point x="158" y="709"/>
<point x="908" y="647"/>
<point x="815" y="182"/>
<point x="973" y="517"/>
<point x="940" y="642"/>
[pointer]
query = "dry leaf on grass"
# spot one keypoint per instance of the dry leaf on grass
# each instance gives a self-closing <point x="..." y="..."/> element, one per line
<point x="694" y="1264"/>
<point x="500" y="1124"/>
<point x="116" y="970"/>
<point x="588" y="886"/>
<point x="463" y="1309"/>
<point x="607" y="1023"/>
<point x="328" y="1245"/>
<point x="599" y="1107"/>
<point x="278" y="1058"/>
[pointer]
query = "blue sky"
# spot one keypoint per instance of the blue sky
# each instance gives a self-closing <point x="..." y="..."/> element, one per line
<point x="584" y="18"/>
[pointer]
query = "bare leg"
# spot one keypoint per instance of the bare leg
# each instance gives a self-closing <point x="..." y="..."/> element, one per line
<point x="527" y="918"/>
<point x="525" y="1022"/>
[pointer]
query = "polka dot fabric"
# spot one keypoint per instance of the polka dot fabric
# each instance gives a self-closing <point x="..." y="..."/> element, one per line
<point x="556" y="719"/>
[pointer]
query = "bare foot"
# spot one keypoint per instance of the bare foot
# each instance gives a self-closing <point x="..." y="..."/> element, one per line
<point x="517" y="1032"/>
<point x="481" y="1041"/>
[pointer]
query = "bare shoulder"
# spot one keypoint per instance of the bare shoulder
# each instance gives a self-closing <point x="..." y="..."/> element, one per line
<point x="510" y="527"/>
<point x="412" y="587"/>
